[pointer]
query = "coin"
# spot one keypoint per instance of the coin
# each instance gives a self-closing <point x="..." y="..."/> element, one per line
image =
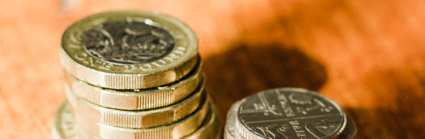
<point x="210" y="128"/>
<point x="289" y="113"/>
<point x="231" y="133"/>
<point x="174" y="130"/>
<point x="129" y="50"/>
<point x="140" y="118"/>
<point x="64" y="125"/>
<point x="138" y="99"/>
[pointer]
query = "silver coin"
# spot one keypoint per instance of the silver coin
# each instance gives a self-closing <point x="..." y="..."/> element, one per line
<point x="289" y="113"/>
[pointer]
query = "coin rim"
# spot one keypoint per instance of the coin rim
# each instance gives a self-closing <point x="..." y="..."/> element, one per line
<point x="350" y="129"/>
<point x="211" y="124"/>
<point x="193" y="120"/>
<point x="136" y="118"/>
<point x="160" y="96"/>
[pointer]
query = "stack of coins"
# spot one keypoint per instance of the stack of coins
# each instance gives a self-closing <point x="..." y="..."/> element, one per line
<point x="133" y="74"/>
<point x="287" y="113"/>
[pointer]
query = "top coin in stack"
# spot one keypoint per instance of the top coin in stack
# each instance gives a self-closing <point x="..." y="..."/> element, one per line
<point x="129" y="50"/>
<point x="288" y="113"/>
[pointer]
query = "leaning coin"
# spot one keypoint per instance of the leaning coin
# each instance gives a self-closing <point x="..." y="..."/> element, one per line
<point x="138" y="99"/>
<point x="63" y="126"/>
<point x="129" y="50"/>
<point x="289" y="113"/>
<point x="175" y="130"/>
<point x="140" y="118"/>
<point x="210" y="128"/>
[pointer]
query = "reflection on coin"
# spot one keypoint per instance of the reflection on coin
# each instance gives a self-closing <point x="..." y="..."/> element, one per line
<point x="129" y="50"/>
<point x="138" y="99"/>
<point x="178" y="129"/>
<point x="210" y="128"/>
<point x="289" y="113"/>
<point x="137" y="119"/>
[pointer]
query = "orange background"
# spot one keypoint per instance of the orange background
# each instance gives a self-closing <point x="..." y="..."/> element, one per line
<point x="368" y="56"/>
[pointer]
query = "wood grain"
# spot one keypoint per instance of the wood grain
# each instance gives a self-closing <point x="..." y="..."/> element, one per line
<point x="369" y="56"/>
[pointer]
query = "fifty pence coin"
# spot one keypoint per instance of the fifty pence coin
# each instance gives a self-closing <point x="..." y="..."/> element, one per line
<point x="289" y="113"/>
<point x="140" y="118"/>
<point x="129" y="50"/>
<point x="138" y="99"/>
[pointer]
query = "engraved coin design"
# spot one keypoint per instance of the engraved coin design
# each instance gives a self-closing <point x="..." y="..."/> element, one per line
<point x="128" y="42"/>
<point x="289" y="113"/>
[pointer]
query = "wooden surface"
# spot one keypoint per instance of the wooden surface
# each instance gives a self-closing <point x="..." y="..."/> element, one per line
<point x="369" y="56"/>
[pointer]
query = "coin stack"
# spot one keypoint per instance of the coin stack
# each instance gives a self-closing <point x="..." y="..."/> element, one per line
<point x="287" y="113"/>
<point x="133" y="74"/>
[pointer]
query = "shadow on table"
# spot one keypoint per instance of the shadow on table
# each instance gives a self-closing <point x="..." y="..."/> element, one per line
<point x="246" y="69"/>
<point x="385" y="123"/>
<point x="401" y="111"/>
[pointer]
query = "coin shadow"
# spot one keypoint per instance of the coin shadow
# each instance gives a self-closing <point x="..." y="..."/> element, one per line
<point x="374" y="119"/>
<point x="403" y="118"/>
<point x="246" y="69"/>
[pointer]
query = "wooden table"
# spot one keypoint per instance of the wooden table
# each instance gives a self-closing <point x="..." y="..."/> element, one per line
<point x="369" y="56"/>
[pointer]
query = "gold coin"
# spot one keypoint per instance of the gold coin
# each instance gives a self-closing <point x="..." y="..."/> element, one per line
<point x="179" y="129"/>
<point x="138" y="99"/>
<point x="129" y="50"/>
<point x="210" y="129"/>
<point x="140" y="118"/>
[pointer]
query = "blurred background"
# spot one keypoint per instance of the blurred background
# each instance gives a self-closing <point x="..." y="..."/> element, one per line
<point x="368" y="56"/>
